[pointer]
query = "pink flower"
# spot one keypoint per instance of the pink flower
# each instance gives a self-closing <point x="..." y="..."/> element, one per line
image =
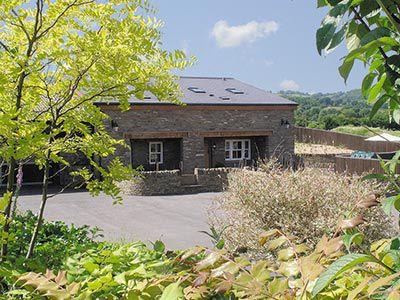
<point x="20" y="176"/>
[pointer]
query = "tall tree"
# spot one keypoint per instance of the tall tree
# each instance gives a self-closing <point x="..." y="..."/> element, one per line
<point x="371" y="31"/>
<point x="57" y="57"/>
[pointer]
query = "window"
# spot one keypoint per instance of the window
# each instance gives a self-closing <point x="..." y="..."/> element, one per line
<point x="156" y="153"/>
<point x="196" y="90"/>
<point x="235" y="91"/>
<point x="237" y="149"/>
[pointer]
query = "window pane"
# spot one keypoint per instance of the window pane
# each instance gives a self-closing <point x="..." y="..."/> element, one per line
<point x="158" y="147"/>
<point x="246" y="154"/>
<point x="227" y="144"/>
<point x="237" y="154"/>
<point x="227" y="155"/>
<point x="152" y="147"/>
<point x="247" y="144"/>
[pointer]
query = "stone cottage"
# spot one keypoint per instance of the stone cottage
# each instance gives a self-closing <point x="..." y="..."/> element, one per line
<point x="225" y="123"/>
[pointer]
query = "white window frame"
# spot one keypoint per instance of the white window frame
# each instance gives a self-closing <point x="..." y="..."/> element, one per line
<point x="243" y="150"/>
<point x="161" y="152"/>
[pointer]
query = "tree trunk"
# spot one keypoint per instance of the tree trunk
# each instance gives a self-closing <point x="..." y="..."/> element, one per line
<point x="45" y="186"/>
<point x="7" y="211"/>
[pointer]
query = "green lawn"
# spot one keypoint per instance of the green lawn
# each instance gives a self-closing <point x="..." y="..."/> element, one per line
<point x="367" y="132"/>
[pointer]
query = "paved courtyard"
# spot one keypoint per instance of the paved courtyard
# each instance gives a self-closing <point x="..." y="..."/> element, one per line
<point x="176" y="220"/>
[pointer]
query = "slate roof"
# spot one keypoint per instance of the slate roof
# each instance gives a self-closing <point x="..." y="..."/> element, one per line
<point x="219" y="91"/>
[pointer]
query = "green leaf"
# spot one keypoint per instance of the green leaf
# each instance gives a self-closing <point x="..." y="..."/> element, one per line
<point x="354" y="238"/>
<point x="339" y="9"/>
<point x="5" y="200"/>
<point x="338" y="267"/>
<point x="321" y="3"/>
<point x="159" y="246"/>
<point x="337" y="39"/>
<point x="396" y="116"/>
<point x="375" y="34"/>
<point x="376" y="89"/>
<point x="345" y="69"/>
<point x="389" y="203"/>
<point x="278" y="286"/>
<point x="209" y="261"/>
<point x="91" y="267"/>
<point x="324" y="35"/>
<point x="377" y="105"/>
<point x="367" y="83"/>
<point x="172" y="292"/>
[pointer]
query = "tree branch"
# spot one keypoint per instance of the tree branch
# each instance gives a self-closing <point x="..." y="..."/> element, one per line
<point x="21" y="25"/>
<point x="58" y="18"/>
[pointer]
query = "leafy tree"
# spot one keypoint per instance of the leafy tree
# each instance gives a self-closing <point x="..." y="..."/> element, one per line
<point x="371" y="31"/>
<point x="57" y="59"/>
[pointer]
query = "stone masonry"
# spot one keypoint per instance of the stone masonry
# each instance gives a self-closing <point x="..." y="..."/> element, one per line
<point x="194" y="120"/>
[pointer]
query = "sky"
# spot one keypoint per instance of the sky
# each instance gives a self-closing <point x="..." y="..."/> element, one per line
<point x="267" y="43"/>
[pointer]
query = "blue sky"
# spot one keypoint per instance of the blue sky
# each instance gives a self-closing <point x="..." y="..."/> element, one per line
<point x="268" y="43"/>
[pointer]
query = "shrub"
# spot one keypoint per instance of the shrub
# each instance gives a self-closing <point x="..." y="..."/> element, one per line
<point x="133" y="271"/>
<point x="56" y="242"/>
<point x="307" y="203"/>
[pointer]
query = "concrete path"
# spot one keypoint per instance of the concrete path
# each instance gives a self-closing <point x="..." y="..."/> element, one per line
<point x="176" y="220"/>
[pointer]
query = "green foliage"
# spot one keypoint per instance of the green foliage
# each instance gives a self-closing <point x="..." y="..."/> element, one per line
<point x="216" y="236"/>
<point x="371" y="30"/>
<point x="58" y="59"/>
<point x="293" y="271"/>
<point x="56" y="241"/>
<point x="365" y="131"/>
<point x="328" y="111"/>
<point x="372" y="33"/>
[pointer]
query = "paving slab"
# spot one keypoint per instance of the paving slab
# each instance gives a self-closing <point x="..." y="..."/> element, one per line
<point x="176" y="220"/>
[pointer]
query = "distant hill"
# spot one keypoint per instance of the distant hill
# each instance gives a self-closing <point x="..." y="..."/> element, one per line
<point x="331" y="110"/>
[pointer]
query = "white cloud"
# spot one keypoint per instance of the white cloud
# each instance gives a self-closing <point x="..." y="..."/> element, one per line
<point x="268" y="63"/>
<point x="289" y="85"/>
<point x="233" y="36"/>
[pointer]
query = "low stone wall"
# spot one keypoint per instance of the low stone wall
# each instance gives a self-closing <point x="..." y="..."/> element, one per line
<point x="170" y="182"/>
<point x="153" y="183"/>
<point x="213" y="180"/>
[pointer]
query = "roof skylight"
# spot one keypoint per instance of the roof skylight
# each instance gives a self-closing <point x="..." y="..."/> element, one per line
<point x="234" y="91"/>
<point x="196" y="90"/>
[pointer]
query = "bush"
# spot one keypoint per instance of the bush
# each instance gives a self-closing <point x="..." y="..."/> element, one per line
<point x="307" y="203"/>
<point x="56" y="241"/>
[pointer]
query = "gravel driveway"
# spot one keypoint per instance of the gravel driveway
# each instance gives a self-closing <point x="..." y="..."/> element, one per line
<point x="176" y="220"/>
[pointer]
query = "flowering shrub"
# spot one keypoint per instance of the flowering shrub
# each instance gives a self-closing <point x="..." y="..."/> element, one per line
<point x="307" y="203"/>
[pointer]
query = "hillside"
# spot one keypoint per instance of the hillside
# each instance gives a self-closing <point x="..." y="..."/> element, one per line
<point x="331" y="110"/>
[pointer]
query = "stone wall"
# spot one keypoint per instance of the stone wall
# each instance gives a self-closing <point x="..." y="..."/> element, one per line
<point x="191" y="120"/>
<point x="169" y="182"/>
<point x="153" y="183"/>
<point x="214" y="180"/>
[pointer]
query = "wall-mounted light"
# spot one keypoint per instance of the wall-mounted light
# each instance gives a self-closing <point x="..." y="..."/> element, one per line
<point x="285" y="123"/>
<point x="214" y="146"/>
<point x="114" y="125"/>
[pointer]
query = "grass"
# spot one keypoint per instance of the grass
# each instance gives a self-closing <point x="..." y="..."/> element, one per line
<point x="318" y="149"/>
<point x="363" y="131"/>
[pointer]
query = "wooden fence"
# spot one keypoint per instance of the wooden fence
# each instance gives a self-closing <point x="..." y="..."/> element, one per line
<point x="350" y="141"/>
<point x="358" y="165"/>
